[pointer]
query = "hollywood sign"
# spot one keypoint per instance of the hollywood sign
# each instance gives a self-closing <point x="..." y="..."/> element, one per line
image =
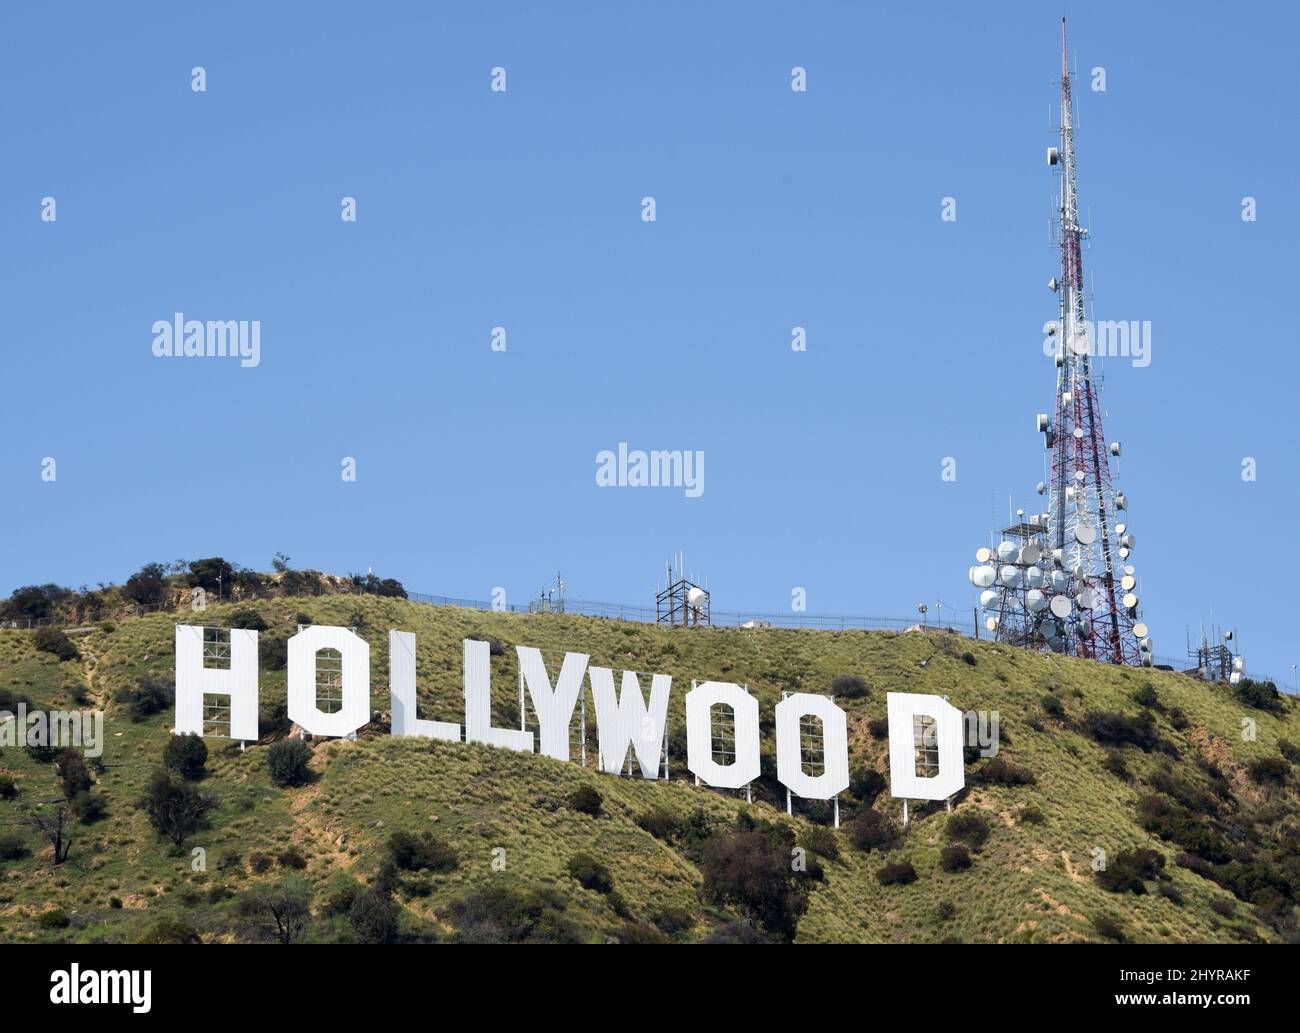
<point x="624" y="719"/>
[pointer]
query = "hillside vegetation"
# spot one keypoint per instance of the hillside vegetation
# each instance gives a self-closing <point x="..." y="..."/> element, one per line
<point x="1129" y="804"/>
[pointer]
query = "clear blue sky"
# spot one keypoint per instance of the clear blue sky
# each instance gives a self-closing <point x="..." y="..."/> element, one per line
<point x="522" y="209"/>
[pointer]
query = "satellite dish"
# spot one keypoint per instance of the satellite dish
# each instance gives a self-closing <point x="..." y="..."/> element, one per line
<point x="1123" y="553"/>
<point x="695" y="598"/>
<point x="983" y="576"/>
<point x="1043" y="421"/>
<point x="1007" y="551"/>
<point x="1128" y="582"/>
<point x="1129" y="569"/>
<point x="1144" y="644"/>
<point x="1060" y="582"/>
<point x="1079" y="475"/>
<point x="1010" y="576"/>
<point x="1040" y="488"/>
<point x="988" y="597"/>
<point x="1078" y="433"/>
<point x="1080" y="345"/>
<point x="1085" y="534"/>
<point x="1227" y="636"/>
<point x="1140" y="630"/>
<point x="1035" y="577"/>
<point x="1053" y="158"/>
<point x="1084" y="628"/>
<point x="1061" y="606"/>
<point x="1066" y="397"/>
<point x="1238" y="663"/>
<point x="1121" y="501"/>
<point x="1128" y="541"/>
<point x="1236" y="677"/>
<point x="1031" y="553"/>
<point x="1114" y="448"/>
<point x="1121" y="528"/>
<point x="1130" y="601"/>
<point x="983" y="555"/>
<point x="991" y="624"/>
<point x="1052" y="285"/>
<point x="1087" y="599"/>
<point x="1035" y="601"/>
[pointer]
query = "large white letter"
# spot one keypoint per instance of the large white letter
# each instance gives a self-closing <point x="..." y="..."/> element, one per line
<point x="700" y="702"/>
<point x="401" y="675"/>
<point x="835" y="747"/>
<point x="554" y="709"/>
<point x="623" y="720"/>
<point x="904" y="708"/>
<point x="303" y="709"/>
<point x="478" y="703"/>
<point x="239" y="683"/>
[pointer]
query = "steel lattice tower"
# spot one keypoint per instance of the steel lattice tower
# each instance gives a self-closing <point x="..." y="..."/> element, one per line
<point x="1060" y="580"/>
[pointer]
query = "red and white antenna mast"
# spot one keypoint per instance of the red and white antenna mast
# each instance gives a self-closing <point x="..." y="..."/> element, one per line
<point x="1069" y="587"/>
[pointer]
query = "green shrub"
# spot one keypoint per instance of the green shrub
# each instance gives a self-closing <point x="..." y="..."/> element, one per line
<point x="501" y="914"/>
<point x="1031" y="815"/>
<point x="968" y="658"/>
<point x="659" y="822"/>
<point x="74" y="777"/>
<point x="1147" y="696"/>
<point x="54" y="918"/>
<point x="12" y="847"/>
<point x="1108" y="927"/>
<point x="1112" y="729"/>
<point x="590" y="873"/>
<point x="1269" y="771"/>
<point x="259" y="863"/>
<point x="866" y="784"/>
<point x="946" y="910"/>
<point x="749" y="871"/>
<point x="820" y="840"/>
<point x="52" y="640"/>
<point x="375" y="916"/>
<point x="151" y="695"/>
<point x="186" y="755"/>
<point x="896" y="873"/>
<point x="586" y="800"/>
<point x="171" y="930"/>
<point x="1001" y="772"/>
<point x="967" y="827"/>
<point x="1130" y="871"/>
<point x="1116" y="765"/>
<point x="878" y="727"/>
<point x="954" y="858"/>
<point x="247" y="620"/>
<point x="288" y="762"/>
<point x="88" y="807"/>
<point x="872" y="830"/>
<point x="1262" y="695"/>
<point x="849" y="686"/>
<point x="412" y="853"/>
<point x="8" y="788"/>
<point x="674" y="920"/>
<point x="291" y="857"/>
<point x="1053" y="707"/>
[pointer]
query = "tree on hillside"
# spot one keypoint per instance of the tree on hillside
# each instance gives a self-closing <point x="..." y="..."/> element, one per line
<point x="147" y="586"/>
<point x="279" y="909"/>
<point x="34" y="602"/>
<point x="175" y="807"/>
<point x="749" y="871"/>
<point x="212" y="574"/>
<point x="56" y="828"/>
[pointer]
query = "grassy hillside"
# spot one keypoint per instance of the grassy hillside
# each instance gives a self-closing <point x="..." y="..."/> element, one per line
<point x="511" y="821"/>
